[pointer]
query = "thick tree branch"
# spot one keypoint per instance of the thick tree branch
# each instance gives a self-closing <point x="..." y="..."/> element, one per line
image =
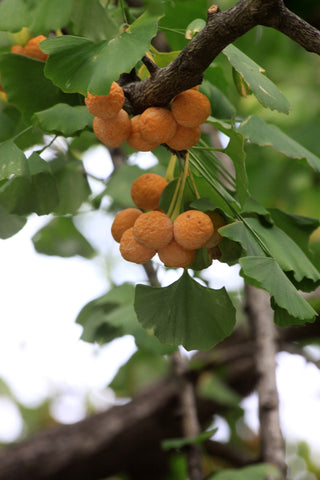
<point x="261" y="319"/>
<point x="222" y="28"/>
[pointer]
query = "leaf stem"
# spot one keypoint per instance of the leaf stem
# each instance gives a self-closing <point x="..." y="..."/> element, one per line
<point x="169" y="176"/>
<point x="21" y="133"/>
<point x="48" y="145"/>
<point x="176" y="210"/>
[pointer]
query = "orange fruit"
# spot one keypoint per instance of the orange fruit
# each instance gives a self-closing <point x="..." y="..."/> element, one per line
<point x="147" y="189"/>
<point x="174" y="255"/>
<point x="135" y="139"/>
<point x="31" y="49"/>
<point x="153" y="229"/>
<point x="218" y="221"/>
<point x="184" y="138"/>
<point x="112" y="131"/>
<point x="190" y="108"/>
<point x="122" y="221"/>
<point x="106" y="106"/>
<point x="132" y="251"/>
<point x="192" y="229"/>
<point x="157" y="125"/>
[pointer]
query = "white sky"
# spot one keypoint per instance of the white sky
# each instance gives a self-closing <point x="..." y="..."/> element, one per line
<point x="40" y="351"/>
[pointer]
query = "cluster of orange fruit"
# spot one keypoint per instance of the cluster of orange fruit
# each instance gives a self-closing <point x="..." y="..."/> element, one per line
<point x="178" y="127"/>
<point x="143" y="234"/>
<point x="31" y="49"/>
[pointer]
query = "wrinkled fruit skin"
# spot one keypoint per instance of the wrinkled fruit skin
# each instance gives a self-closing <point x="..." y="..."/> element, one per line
<point x="157" y="125"/>
<point x="112" y="131"/>
<point x="153" y="229"/>
<point x="123" y="221"/>
<point x="192" y="229"/>
<point x="106" y="106"/>
<point x="135" y="139"/>
<point x="173" y="255"/>
<point x="147" y="189"/>
<point x="190" y="108"/>
<point x="184" y="138"/>
<point x="132" y="251"/>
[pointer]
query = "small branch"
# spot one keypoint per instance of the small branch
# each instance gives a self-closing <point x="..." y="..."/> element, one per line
<point x="231" y="454"/>
<point x="189" y="418"/>
<point x="149" y="63"/>
<point x="151" y="274"/>
<point x="261" y="320"/>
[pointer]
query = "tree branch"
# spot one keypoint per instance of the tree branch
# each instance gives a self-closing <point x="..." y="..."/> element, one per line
<point x="261" y="320"/>
<point x="189" y="416"/>
<point x="221" y="29"/>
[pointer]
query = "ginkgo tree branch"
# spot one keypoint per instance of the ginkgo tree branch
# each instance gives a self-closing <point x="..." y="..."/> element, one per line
<point x="264" y="332"/>
<point x="221" y="29"/>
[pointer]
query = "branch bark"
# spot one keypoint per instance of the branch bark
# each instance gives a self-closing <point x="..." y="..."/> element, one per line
<point x="261" y="320"/>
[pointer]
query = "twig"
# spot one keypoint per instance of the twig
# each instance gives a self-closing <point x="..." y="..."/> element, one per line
<point x="261" y="320"/>
<point x="189" y="418"/>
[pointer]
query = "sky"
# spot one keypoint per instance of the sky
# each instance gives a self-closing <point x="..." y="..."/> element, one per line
<point x="41" y="354"/>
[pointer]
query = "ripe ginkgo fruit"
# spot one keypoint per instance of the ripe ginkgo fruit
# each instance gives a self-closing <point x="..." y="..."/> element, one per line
<point x="184" y="138"/>
<point x="174" y="255"/>
<point x="106" y="106"/>
<point x="147" y="189"/>
<point x="153" y="229"/>
<point x="124" y="220"/>
<point x="190" y="108"/>
<point x="112" y="131"/>
<point x="132" y="251"/>
<point x="157" y="125"/>
<point x="135" y="139"/>
<point x="192" y="229"/>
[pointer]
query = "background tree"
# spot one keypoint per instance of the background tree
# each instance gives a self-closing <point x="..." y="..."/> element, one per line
<point x="269" y="198"/>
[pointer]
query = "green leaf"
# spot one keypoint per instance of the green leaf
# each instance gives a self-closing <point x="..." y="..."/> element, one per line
<point x="73" y="188"/>
<point x="211" y="386"/>
<point x="112" y="315"/>
<point x="35" y="92"/>
<point x="63" y="119"/>
<point x="258" y="131"/>
<point x="287" y="253"/>
<point x="140" y="370"/>
<point x="186" y="313"/>
<point x="177" y="443"/>
<point x="253" y="472"/>
<point x="194" y="28"/>
<point x="34" y="192"/>
<point x="265" y="273"/>
<point x="238" y="232"/>
<point x="14" y="14"/>
<point x="298" y="227"/>
<point x="12" y="161"/>
<point x="41" y="17"/>
<point x="48" y="15"/>
<point x="220" y="104"/>
<point x="10" y="224"/>
<point x="76" y="64"/>
<point x="92" y="21"/>
<point x="235" y="150"/>
<point x="266" y="92"/>
<point x="60" y="237"/>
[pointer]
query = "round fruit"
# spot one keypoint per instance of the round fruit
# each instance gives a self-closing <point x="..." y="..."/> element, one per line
<point x="173" y="255"/>
<point x="135" y="139"/>
<point x="190" y="108"/>
<point x="192" y="229"/>
<point x="122" y="221"/>
<point x="184" y="138"/>
<point x="153" y="229"/>
<point x="132" y="251"/>
<point x="112" y="131"/>
<point x="18" y="49"/>
<point x="157" y="125"/>
<point x="146" y="190"/>
<point x="106" y="106"/>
